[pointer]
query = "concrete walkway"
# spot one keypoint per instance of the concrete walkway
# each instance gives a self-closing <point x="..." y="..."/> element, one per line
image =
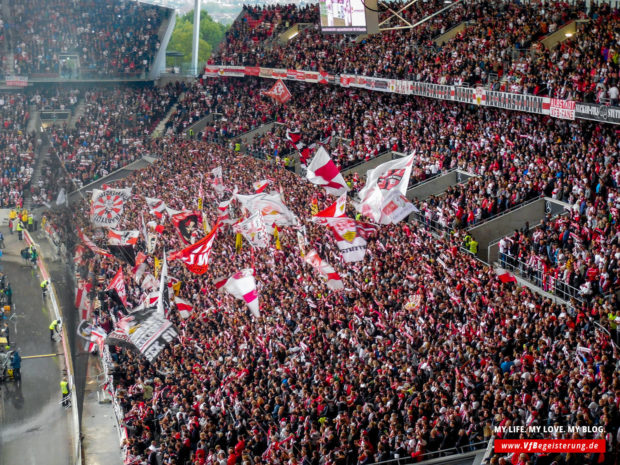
<point x="34" y="428"/>
<point x="100" y="439"/>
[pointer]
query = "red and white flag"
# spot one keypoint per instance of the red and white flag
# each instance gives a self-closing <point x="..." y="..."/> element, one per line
<point x="260" y="186"/>
<point x="217" y="181"/>
<point x="334" y="282"/>
<point x="351" y="237"/>
<point x="324" y="172"/>
<point x="279" y="92"/>
<point x="392" y="175"/>
<point x="242" y="285"/>
<point x="294" y="137"/>
<point x="335" y="210"/>
<point x="184" y="307"/>
<point x="107" y="207"/>
<point x="82" y="301"/>
<point x="91" y="245"/>
<point x="97" y="339"/>
<point x="122" y="237"/>
<point x="196" y="256"/>
<point x="157" y="207"/>
<point x="118" y="284"/>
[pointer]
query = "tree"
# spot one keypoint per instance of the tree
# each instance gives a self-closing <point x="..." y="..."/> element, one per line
<point x="211" y="34"/>
<point x="181" y="41"/>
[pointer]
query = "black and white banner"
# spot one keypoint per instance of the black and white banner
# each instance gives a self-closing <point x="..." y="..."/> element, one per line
<point x="146" y="330"/>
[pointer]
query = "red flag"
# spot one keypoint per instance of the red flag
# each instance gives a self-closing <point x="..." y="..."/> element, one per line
<point x="279" y="92"/>
<point x="507" y="278"/>
<point x="118" y="284"/>
<point x="196" y="256"/>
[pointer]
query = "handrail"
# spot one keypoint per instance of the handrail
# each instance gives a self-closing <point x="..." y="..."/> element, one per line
<point x="540" y="279"/>
<point x="497" y="215"/>
<point x="442" y="455"/>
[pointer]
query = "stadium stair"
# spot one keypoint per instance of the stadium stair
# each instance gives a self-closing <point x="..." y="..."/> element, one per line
<point x="42" y="153"/>
<point x="564" y="33"/>
<point x="292" y="31"/>
<point x="78" y="113"/>
<point x="451" y="33"/>
<point x="161" y="126"/>
<point x="437" y="185"/>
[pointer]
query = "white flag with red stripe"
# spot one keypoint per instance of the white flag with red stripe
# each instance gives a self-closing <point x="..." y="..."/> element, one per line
<point x="324" y="172"/>
<point x="242" y="285"/>
<point x="260" y="186"/>
<point x="334" y="282"/>
<point x="157" y="207"/>
<point x="122" y="237"/>
<point x="184" y="307"/>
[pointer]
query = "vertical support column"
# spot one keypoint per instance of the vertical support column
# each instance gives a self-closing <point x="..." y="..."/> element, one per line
<point x="196" y="37"/>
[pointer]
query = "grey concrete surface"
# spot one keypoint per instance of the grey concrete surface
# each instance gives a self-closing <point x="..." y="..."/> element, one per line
<point x="34" y="427"/>
<point x="100" y="439"/>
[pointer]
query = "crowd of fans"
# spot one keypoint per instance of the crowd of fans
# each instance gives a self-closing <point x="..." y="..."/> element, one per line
<point x="574" y="255"/>
<point x="426" y="349"/>
<point x="110" y="134"/>
<point x="499" y="47"/>
<point x="411" y="358"/>
<point x="86" y="38"/>
<point x="17" y="149"/>
<point x="503" y="156"/>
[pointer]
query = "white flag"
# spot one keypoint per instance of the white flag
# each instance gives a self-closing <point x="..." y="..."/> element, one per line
<point x="162" y="286"/>
<point x="324" y="172"/>
<point x="242" y="285"/>
<point x="334" y="282"/>
<point x="254" y="230"/>
<point x="271" y="207"/>
<point x="395" y="208"/>
<point x="392" y="175"/>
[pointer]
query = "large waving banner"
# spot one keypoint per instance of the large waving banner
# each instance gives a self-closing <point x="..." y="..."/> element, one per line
<point x="196" y="256"/>
<point x="392" y="175"/>
<point x="253" y="230"/>
<point x="107" y="207"/>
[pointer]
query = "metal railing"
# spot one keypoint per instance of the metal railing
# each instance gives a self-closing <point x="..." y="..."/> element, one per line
<point x="538" y="277"/>
<point x="443" y="456"/>
<point x="434" y="224"/>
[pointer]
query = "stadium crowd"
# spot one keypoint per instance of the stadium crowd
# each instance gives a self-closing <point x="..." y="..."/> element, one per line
<point x="17" y="149"/>
<point x="426" y="349"/>
<point x="411" y="358"/>
<point x="501" y="49"/>
<point x="112" y="132"/>
<point x="103" y="39"/>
